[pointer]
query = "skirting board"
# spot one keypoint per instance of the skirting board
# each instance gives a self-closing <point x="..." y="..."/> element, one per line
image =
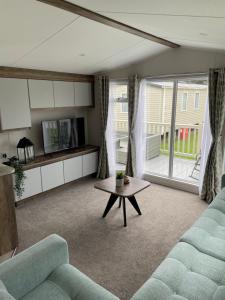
<point x="175" y="184"/>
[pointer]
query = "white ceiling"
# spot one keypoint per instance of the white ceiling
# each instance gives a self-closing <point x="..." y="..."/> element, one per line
<point x="199" y="23"/>
<point x="36" y="35"/>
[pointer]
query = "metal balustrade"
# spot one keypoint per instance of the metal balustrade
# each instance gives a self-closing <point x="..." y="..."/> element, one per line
<point x="187" y="141"/>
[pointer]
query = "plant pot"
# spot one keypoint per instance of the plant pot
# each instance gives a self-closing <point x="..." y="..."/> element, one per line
<point x="119" y="182"/>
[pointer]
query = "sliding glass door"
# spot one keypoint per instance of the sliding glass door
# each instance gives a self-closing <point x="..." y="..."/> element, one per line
<point x="158" y="114"/>
<point x="174" y="111"/>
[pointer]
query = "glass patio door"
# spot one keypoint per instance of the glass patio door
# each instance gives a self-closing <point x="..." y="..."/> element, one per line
<point x="174" y="111"/>
<point x="158" y="115"/>
<point x="189" y="117"/>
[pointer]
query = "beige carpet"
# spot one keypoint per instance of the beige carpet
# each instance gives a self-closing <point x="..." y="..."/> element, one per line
<point x="120" y="259"/>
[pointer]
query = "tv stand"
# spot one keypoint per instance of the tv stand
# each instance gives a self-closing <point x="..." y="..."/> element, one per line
<point x="51" y="170"/>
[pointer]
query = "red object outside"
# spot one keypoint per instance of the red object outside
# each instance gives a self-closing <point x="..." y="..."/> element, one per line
<point x="184" y="133"/>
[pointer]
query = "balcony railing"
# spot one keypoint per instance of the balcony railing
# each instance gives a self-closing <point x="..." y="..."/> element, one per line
<point x="187" y="141"/>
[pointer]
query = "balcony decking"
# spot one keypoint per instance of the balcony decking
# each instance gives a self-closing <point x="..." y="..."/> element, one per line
<point x="186" y="145"/>
<point x="182" y="168"/>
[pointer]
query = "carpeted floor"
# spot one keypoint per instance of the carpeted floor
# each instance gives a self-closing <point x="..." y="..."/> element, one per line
<point x="120" y="259"/>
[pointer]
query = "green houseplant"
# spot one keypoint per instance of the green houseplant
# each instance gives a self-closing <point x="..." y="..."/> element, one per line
<point x="119" y="178"/>
<point x="19" y="175"/>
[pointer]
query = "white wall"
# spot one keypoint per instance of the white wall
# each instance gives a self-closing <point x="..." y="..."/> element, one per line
<point x="172" y="61"/>
<point x="9" y="139"/>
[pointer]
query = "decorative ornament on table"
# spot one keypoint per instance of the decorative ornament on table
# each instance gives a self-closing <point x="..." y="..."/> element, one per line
<point x="119" y="178"/>
<point x="126" y="179"/>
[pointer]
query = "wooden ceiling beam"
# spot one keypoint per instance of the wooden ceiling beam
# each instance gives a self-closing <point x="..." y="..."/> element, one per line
<point x="89" y="14"/>
<point x="10" y="72"/>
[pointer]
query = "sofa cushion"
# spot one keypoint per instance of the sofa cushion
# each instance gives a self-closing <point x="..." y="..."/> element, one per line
<point x="68" y="283"/>
<point x="47" y="290"/>
<point x="77" y="285"/>
<point x="208" y="233"/>
<point x="4" y="295"/>
<point x="186" y="273"/>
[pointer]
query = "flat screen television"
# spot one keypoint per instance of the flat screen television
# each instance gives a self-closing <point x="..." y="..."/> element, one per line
<point x="63" y="134"/>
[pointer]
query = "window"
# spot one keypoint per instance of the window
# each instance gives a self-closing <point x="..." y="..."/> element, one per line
<point x="197" y="101"/>
<point x="184" y="102"/>
<point x="124" y="107"/>
<point x="172" y="127"/>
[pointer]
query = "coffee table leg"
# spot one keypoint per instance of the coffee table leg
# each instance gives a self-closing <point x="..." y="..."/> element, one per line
<point x="120" y="202"/>
<point x="134" y="203"/>
<point x="109" y="205"/>
<point x="124" y="212"/>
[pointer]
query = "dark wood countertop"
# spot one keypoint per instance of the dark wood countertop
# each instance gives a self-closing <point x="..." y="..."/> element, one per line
<point x="46" y="159"/>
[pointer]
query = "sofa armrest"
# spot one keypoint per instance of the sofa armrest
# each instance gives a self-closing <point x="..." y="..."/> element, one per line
<point x="29" y="268"/>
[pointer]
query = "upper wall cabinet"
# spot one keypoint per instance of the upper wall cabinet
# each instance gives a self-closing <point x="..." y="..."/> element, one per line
<point x="41" y="93"/>
<point x="63" y="94"/>
<point x="83" y="94"/>
<point x="14" y="104"/>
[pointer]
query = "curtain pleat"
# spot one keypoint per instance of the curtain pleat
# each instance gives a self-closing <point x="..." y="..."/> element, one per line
<point x="133" y="95"/>
<point x="213" y="170"/>
<point x="102" y="95"/>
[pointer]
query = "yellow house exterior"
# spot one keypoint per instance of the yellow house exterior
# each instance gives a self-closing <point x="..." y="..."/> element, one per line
<point x="158" y="103"/>
<point x="191" y="99"/>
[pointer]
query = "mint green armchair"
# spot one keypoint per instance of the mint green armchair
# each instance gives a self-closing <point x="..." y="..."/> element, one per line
<point x="43" y="272"/>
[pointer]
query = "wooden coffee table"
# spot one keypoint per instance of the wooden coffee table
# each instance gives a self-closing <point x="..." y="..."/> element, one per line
<point x="126" y="191"/>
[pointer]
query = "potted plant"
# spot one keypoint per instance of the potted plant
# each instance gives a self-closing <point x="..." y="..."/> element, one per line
<point x="19" y="175"/>
<point x="119" y="179"/>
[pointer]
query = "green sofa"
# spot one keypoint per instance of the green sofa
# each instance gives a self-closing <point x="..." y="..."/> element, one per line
<point x="195" y="268"/>
<point x="43" y="272"/>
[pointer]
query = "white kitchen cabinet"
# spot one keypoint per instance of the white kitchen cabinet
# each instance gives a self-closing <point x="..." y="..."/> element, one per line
<point x="32" y="183"/>
<point x="83" y="93"/>
<point x="72" y="168"/>
<point x="63" y="94"/>
<point x="14" y="104"/>
<point x="52" y="175"/>
<point x="90" y="163"/>
<point x="41" y="93"/>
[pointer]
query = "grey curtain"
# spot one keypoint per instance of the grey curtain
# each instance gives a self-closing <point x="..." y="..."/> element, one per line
<point x="213" y="170"/>
<point x="133" y="94"/>
<point x="102" y="95"/>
